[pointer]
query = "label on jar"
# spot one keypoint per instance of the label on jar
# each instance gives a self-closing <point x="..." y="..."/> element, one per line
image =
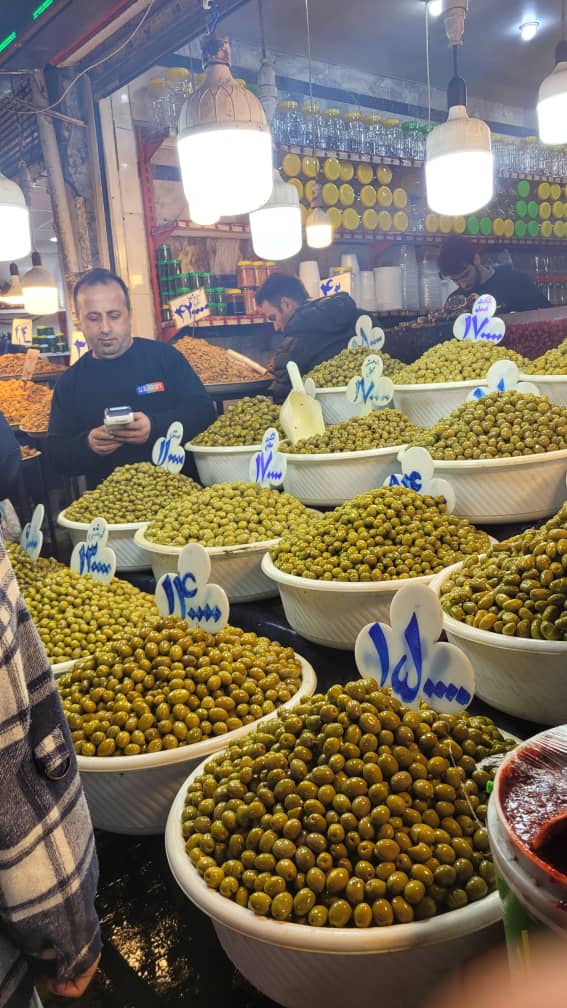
<point x="418" y="474"/>
<point x="503" y="376"/>
<point x="407" y="658"/>
<point x="168" y="452"/>
<point x="93" y="557"/>
<point x="479" y="324"/>
<point x="189" y="595"/>
<point x="268" y="466"/>
<point x="370" y="390"/>
<point x="367" y="335"/>
<point x="31" y="539"/>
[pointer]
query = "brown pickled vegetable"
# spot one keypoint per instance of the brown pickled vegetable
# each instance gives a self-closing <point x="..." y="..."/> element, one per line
<point x="132" y="493"/>
<point x="169" y="685"/>
<point x="26" y="404"/>
<point x="214" y="365"/>
<point x="348" y="811"/>
<point x="339" y="370"/>
<point x="381" y="535"/>
<point x="11" y="365"/>
<point x="380" y="429"/>
<point x="500" y="425"/>
<point x="245" y="423"/>
<point x="455" y="361"/>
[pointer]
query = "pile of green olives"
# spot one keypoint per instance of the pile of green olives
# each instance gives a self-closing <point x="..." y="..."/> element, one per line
<point x="381" y="535"/>
<point x="348" y="811"/>
<point x="455" y="360"/>
<point x="338" y="371"/>
<point x="132" y="493"/>
<point x="553" y="362"/>
<point x="380" y="429"/>
<point x="168" y="685"/>
<point x="245" y="423"/>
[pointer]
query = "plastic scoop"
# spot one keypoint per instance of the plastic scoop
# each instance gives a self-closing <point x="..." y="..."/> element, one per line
<point x="300" y="415"/>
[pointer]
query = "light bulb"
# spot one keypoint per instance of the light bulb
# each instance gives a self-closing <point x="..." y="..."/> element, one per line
<point x="459" y="168"/>
<point x="528" y="30"/>
<point x="204" y="214"/>
<point x="318" y="229"/>
<point x="434" y="7"/>
<point x="40" y="289"/>
<point x="552" y="103"/>
<point x="15" y="236"/>
<point x="276" y="227"/>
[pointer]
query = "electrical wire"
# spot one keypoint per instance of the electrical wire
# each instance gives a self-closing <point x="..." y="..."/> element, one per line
<point x="262" y="31"/>
<point x="309" y="62"/>
<point x="428" y="63"/>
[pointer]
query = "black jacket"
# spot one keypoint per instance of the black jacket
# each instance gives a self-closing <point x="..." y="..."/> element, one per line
<point x="514" y="291"/>
<point x="151" y="377"/>
<point x="315" y="332"/>
<point x="10" y="458"/>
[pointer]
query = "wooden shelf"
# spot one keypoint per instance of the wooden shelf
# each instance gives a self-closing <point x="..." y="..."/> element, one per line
<point x="231" y="320"/>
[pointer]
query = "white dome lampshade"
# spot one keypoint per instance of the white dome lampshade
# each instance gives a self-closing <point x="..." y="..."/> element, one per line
<point x="459" y="167"/>
<point x="204" y="214"/>
<point x="552" y="101"/>
<point x="15" y="235"/>
<point x="40" y="289"/>
<point x="276" y="227"/>
<point x="224" y="144"/>
<point x="15" y="294"/>
<point x="318" y="228"/>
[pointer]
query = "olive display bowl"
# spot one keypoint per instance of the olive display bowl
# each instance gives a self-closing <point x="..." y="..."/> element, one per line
<point x="335" y="405"/>
<point x="133" y="794"/>
<point x="298" y="966"/>
<point x="553" y="386"/>
<point x="426" y="404"/>
<point x="519" y="676"/>
<point x="332" y="478"/>
<point x="129" y="556"/>
<point x="228" y="464"/>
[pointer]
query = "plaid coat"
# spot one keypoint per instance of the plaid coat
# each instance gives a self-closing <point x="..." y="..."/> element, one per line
<point x="48" y="865"/>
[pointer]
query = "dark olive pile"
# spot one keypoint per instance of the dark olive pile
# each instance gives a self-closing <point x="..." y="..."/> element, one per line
<point x="349" y="811"/>
<point x="132" y="493"/>
<point x="455" y="360"/>
<point x="76" y="616"/>
<point x="519" y="588"/>
<point x="380" y="429"/>
<point x="227" y="514"/>
<point x="338" y="371"/>
<point x="554" y="362"/>
<point x="500" y="425"/>
<point x="381" y="535"/>
<point x="169" y="686"/>
<point x="245" y="423"/>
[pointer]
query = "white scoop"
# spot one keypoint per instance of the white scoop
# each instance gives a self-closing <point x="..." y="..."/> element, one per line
<point x="300" y="415"/>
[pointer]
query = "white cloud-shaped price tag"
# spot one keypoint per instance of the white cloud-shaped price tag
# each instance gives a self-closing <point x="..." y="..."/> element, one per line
<point x="480" y="324"/>
<point x="407" y="658"/>
<point x="94" y="557"/>
<point x="268" y="466"/>
<point x="31" y="539"/>
<point x="168" y="452"/>
<point x="503" y="376"/>
<point x="370" y="390"/>
<point x="367" y="335"/>
<point x="189" y="595"/>
<point x="418" y="474"/>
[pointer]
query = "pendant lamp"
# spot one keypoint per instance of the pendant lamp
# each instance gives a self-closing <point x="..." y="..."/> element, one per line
<point x="203" y="214"/>
<point x="15" y="294"/>
<point x="40" y="289"/>
<point x="15" y="235"/>
<point x="224" y="144"/>
<point x="276" y="227"/>
<point x="552" y="102"/>
<point x="318" y="226"/>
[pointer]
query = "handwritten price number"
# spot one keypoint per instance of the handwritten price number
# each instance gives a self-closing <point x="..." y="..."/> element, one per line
<point x="187" y="594"/>
<point x="407" y="658"/>
<point x="480" y="324"/>
<point x="31" y="539"/>
<point x="503" y="376"/>
<point x="188" y="308"/>
<point x="366" y="335"/>
<point x="167" y="452"/>
<point x="417" y="474"/>
<point x="94" y="557"/>
<point x="370" y="390"/>
<point x="268" y="466"/>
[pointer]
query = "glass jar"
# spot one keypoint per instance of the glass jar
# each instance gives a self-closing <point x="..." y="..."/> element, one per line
<point x="313" y="125"/>
<point x="245" y="274"/>
<point x="374" y="135"/>
<point x="410" y="139"/>
<point x="249" y="300"/>
<point x="161" y="104"/>
<point x="393" y="138"/>
<point x="290" y="122"/>
<point x="234" y="301"/>
<point x="335" y="132"/>
<point x="355" y="132"/>
<point x="528" y="156"/>
<point x="179" y="82"/>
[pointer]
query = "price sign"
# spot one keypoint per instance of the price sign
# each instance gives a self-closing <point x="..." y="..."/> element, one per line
<point x="268" y="466"/>
<point x="168" y="452"/>
<point x="370" y="390"/>
<point x="21" y="332"/>
<point x="503" y="376"/>
<point x="417" y="474"/>
<point x="407" y="658"/>
<point x="367" y="335"/>
<point x="30" y="363"/>
<point x="31" y="539"/>
<point x="335" y="285"/>
<point x="480" y="324"/>
<point x="188" y="308"/>
<point x="189" y="595"/>
<point x="78" y="347"/>
<point x="94" y="557"/>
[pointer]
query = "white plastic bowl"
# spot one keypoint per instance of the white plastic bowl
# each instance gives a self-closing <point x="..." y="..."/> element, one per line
<point x="336" y="477"/>
<point x="426" y="404"/>
<point x="133" y="794"/>
<point x="335" y="405"/>
<point x="223" y="465"/>
<point x="506" y="490"/>
<point x="129" y="556"/>
<point x="553" y="386"/>
<point x="300" y="966"/>
<point x="525" y="678"/>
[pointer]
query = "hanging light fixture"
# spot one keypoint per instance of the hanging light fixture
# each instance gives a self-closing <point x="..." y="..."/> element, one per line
<point x="318" y="226"/>
<point x="276" y="227"/>
<point x="15" y="235"/>
<point x="203" y="214"/>
<point x="224" y="144"/>
<point x="552" y="102"/>
<point x="459" y="167"/>
<point x="40" y="289"/>
<point x="15" y="295"/>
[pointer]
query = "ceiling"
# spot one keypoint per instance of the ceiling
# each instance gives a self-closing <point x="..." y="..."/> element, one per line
<point x="387" y="37"/>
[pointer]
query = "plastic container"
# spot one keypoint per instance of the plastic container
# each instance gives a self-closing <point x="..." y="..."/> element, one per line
<point x="335" y="477"/>
<point x="553" y="386"/>
<point x="299" y="966"/>
<point x="426" y="404"/>
<point x="524" y="678"/>
<point x="222" y="465"/>
<point x="335" y="405"/>
<point x="129" y="556"/>
<point x="234" y="301"/>
<point x="133" y="794"/>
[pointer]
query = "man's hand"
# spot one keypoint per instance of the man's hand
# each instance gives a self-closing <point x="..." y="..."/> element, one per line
<point x="101" y="442"/>
<point x="136" y="432"/>
<point x="73" y="988"/>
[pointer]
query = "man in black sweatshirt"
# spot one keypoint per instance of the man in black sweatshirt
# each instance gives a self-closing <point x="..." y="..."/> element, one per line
<point x="514" y="291"/>
<point x="151" y="377"/>
<point x="313" y="331"/>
